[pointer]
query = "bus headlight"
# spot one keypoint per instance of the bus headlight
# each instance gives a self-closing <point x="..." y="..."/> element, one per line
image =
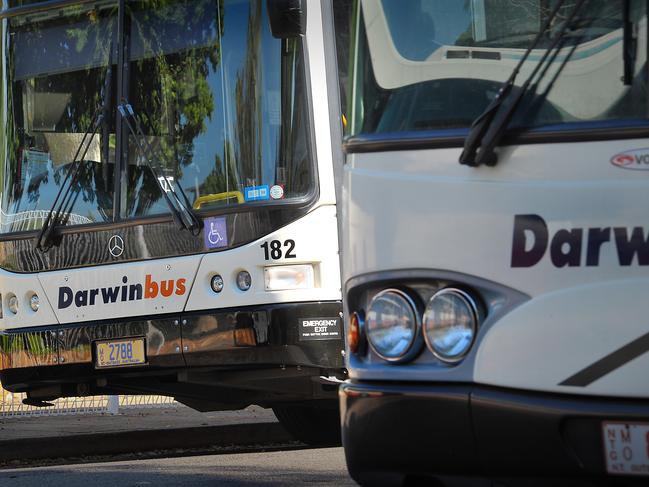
<point x="450" y="324"/>
<point x="216" y="283"/>
<point x="12" y="303"/>
<point x="392" y="324"/>
<point x="34" y="302"/>
<point x="244" y="280"/>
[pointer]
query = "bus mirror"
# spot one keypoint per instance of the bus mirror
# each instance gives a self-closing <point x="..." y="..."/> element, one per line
<point x="287" y="18"/>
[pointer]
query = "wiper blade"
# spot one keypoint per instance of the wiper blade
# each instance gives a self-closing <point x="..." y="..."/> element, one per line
<point x="491" y="140"/>
<point x="64" y="201"/>
<point x="45" y="238"/>
<point x="474" y="140"/>
<point x="630" y="44"/>
<point x="181" y="212"/>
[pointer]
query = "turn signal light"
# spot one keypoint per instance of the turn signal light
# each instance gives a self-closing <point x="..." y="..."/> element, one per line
<point x="354" y="332"/>
<point x="285" y="277"/>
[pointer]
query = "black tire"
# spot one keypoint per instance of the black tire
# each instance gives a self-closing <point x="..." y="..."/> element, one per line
<point x="310" y="424"/>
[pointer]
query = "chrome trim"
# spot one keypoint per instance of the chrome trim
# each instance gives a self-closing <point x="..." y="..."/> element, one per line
<point x="416" y="343"/>
<point x="328" y="380"/>
<point x="28" y="349"/>
<point x="475" y="312"/>
<point x="74" y="344"/>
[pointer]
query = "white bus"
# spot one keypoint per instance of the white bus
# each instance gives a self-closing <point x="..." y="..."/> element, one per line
<point x="167" y="206"/>
<point x="495" y="239"/>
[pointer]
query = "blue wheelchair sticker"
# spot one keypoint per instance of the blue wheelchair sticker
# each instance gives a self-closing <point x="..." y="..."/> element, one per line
<point x="216" y="232"/>
<point x="256" y="193"/>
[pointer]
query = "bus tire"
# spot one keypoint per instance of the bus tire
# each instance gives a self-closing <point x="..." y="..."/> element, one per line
<point x="310" y="424"/>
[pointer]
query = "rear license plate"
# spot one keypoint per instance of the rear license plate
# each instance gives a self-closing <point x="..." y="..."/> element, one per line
<point x="626" y="446"/>
<point x="120" y="353"/>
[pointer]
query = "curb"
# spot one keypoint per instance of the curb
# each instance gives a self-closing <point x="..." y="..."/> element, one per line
<point x="131" y="442"/>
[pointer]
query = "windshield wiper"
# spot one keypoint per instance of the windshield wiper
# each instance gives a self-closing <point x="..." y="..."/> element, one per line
<point x="485" y="134"/>
<point x="629" y="44"/>
<point x="181" y="212"/>
<point x="64" y="201"/>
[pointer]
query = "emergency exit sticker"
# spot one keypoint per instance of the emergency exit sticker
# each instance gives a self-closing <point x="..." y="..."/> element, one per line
<point x="319" y="328"/>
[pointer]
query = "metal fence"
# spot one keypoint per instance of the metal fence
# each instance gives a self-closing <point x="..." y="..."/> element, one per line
<point x="34" y="219"/>
<point x="11" y="405"/>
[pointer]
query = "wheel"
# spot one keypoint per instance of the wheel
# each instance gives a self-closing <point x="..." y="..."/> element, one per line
<point x="310" y="423"/>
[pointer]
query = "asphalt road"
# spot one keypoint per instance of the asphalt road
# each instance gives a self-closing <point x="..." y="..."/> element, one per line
<point x="325" y="466"/>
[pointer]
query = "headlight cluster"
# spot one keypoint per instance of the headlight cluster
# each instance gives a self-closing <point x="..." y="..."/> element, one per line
<point x="13" y="303"/>
<point x="396" y="327"/>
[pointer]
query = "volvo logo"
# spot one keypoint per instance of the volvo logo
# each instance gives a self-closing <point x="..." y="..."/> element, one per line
<point x="636" y="159"/>
<point x="116" y="245"/>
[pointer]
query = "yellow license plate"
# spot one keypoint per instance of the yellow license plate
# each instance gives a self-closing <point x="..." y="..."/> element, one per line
<point x="119" y="353"/>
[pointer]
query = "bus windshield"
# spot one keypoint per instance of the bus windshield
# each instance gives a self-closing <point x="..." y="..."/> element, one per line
<point x="436" y="65"/>
<point x="220" y="101"/>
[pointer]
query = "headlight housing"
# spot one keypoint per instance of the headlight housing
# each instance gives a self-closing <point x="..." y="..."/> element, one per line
<point x="450" y="324"/>
<point x="392" y="326"/>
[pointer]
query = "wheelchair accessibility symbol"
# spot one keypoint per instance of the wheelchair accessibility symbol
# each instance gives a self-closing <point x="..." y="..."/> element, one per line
<point x="215" y="231"/>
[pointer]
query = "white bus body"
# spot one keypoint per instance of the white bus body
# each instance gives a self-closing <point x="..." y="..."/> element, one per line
<point x="230" y="106"/>
<point x="547" y="251"/>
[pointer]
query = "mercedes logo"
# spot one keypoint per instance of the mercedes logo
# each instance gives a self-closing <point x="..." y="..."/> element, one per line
<point x="116" y="245"/>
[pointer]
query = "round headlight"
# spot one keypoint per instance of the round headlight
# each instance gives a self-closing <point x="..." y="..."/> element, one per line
<point x="217" y="283"/>
<point x="12" y="303"/>
<point x="34" y="302"/>
<point x="391" y="325"/>
<point x="450" y="324"/>
<point x="244" y="280"/>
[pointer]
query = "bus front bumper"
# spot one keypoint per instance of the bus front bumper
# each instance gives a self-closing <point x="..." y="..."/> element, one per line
<point x="393" y="430"/>
<point x="262" y="352"/>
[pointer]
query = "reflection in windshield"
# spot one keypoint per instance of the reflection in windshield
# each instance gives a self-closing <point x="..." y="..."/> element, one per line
<point x="56" y="67"/>
<point x="438" y="64"/>
<point x="220" y="100"/>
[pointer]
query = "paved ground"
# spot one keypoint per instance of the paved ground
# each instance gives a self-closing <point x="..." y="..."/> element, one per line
<point x="297" y="467"/>
<point x="137" y="433"/>
<point x="167" y="418"/>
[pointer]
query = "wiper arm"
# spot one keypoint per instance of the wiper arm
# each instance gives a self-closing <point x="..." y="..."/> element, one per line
<point x="480" y="125"/>
<point x="181" y="212"/>
<point x="62" y="208"/>
<point x="487" y="154"/>
<point x="629" y="44"/>
<point x="64" y="201"/>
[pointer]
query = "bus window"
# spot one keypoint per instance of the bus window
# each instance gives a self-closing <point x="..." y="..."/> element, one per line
<point x="222" y="102"/>
<point x="416" y="66"/>
<point x="56" y="71"/>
